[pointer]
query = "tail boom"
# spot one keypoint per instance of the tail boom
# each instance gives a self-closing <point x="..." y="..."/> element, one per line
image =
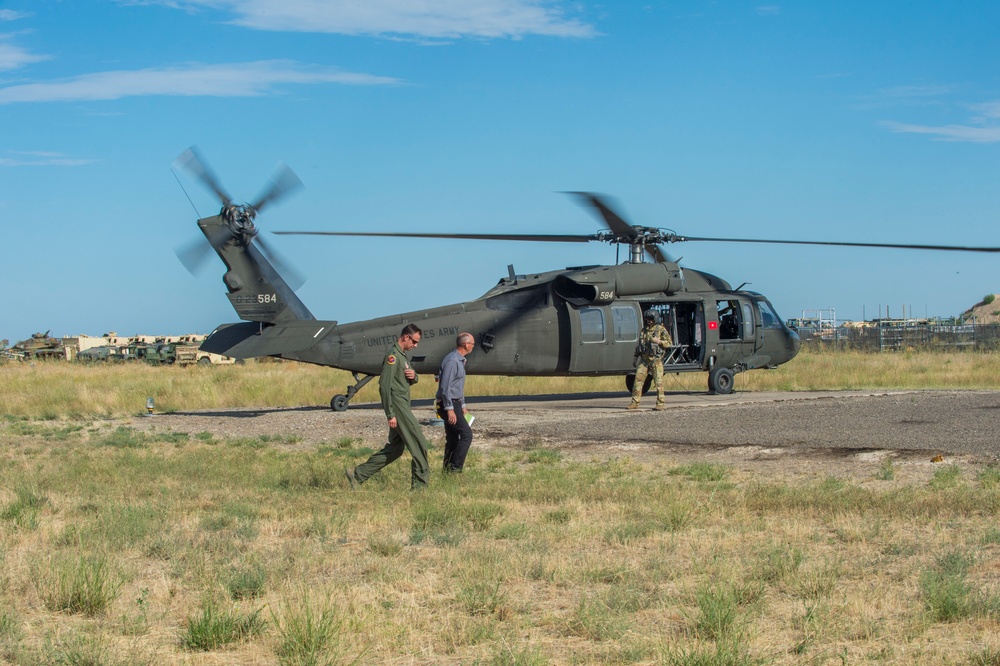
<point x="257" y="291"/>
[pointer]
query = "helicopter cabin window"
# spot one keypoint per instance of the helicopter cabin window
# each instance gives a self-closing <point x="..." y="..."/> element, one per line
<point x="729" y="319"/>
<point x="591" y="325"/>
<point x="626" y="323"/>
<point x="768" y="317"/>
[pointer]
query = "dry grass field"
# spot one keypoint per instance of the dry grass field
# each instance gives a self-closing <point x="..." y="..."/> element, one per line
<point x="124" y="546"/>
<point x="54" y="390"/>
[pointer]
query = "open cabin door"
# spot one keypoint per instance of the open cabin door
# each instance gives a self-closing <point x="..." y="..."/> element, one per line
<point x="685" y="321"/>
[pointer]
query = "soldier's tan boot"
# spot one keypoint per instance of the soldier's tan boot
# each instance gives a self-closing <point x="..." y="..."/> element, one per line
<point x="633" y="405"/>
<point x="660" y="406"/>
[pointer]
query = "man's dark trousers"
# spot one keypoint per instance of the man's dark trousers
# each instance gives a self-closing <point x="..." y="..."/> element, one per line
<point x="457" y="439"/>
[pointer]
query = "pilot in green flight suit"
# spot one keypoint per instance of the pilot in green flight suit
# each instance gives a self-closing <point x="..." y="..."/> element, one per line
<point x="404" y="429"/>
<point x="653" y="340"/>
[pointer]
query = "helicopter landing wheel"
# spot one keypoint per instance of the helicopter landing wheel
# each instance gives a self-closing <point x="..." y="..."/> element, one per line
<point x="720" y="381"/>
<point x="630" y="383"/>
<point x="339" y="403"/>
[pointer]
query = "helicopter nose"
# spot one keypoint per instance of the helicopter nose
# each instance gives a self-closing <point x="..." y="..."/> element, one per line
<point x="794" y="342"/>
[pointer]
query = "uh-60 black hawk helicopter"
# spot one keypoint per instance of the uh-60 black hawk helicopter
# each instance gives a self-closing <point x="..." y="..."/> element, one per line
<point x="582" y="321"/>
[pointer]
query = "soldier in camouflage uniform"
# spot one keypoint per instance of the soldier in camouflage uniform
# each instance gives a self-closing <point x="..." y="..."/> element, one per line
<point x="649" y="352"/>
<point x="404" y="429"/>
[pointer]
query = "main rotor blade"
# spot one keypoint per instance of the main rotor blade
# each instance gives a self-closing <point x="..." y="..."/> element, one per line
<point x="658" y="255"/>
<point x="553" y="238"/>
<point x="901" y="246"/>
<point x="192" y="162"/>
<point x="619" y="227"/>
<point x="615" y="223"/>
<point x="283" y="181"/>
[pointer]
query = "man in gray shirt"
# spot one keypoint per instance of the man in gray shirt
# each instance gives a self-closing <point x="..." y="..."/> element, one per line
<point x="451" y="403"/>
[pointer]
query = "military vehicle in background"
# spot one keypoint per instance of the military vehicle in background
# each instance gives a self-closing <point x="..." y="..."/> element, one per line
<point x="39" y="346"/>
<point x="162" y="352"/>
<point x="103" y="353"/>
<point x="165" y="350"/>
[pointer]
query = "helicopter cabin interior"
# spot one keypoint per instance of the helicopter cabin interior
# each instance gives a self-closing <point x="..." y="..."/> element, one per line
<point x="685" y="321"/>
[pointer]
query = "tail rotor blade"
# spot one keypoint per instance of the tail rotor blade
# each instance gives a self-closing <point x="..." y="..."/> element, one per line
<point x="192" y="162"/>
<point x="194" y="254"/>
<point x="291" y="276"/>
<point x="283" y="182"/>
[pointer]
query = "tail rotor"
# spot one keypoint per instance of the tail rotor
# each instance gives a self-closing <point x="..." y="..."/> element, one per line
<point x="239" y="219"/>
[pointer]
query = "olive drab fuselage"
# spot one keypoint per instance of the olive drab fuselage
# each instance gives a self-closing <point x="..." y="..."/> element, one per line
<point x="581" y="321"/>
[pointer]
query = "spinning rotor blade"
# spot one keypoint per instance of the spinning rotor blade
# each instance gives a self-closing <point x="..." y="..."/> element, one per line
<point x="238" y="219"/>
<point x="624" y="231"/>
<point x="292" y="277"/>
<point x="901" y="246"/>
<point x="283" y="181"/>
<point x="615" y="223"/>
<point x="191" y="161"/>
<point x="553" y="238"/>
<point x="657" y="254"/>
<point x="194" y="253"/>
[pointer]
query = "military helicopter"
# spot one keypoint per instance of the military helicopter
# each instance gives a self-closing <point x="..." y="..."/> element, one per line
<point x="582" y="321"/>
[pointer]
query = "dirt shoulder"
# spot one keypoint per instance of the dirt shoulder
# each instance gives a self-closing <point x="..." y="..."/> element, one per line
<point x="843" y="434"/>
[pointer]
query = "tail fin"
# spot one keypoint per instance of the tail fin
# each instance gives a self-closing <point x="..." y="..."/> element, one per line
<point x="256" y="289"/>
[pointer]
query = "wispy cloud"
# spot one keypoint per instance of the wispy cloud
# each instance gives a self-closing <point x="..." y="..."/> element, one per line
<point x="20" y="159"/>
<point x="11" y="15"/>
<point x="435" y="19"/>
<point x="900" y="93"/>
<point x="14" y="57"/>
<point x="767" y="10"/>
<point x="252" y="79"/>
<point x="982" y="124"/>
<point x="986" y="111"/>
<point x="966" y="133"/>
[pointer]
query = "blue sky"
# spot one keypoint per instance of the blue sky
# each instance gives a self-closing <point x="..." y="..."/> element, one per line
<point x="854" y="121"/>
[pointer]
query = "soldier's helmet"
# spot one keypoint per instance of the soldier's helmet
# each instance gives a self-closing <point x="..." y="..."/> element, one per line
<point x="651" y="317"/>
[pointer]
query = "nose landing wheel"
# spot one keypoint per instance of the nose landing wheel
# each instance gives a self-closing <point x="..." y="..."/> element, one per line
<point x="720" y="381"/>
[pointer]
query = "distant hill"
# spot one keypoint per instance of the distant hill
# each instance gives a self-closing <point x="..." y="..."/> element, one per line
<point x="986" y="311"/>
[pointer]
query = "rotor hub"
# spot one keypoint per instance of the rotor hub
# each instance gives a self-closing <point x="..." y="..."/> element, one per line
<point x="239" y="219"/>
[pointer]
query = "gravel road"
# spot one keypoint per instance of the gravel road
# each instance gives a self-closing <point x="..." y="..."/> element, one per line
<point x="801" y="432"/>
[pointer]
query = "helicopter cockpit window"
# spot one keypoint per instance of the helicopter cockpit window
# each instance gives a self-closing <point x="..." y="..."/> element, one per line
<point x="768" y="317"/>
<point x="729" y="319"/>
<point x="747" y="322"/>
<point x="592" y="325"/>
<point x="626" y="324"/>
